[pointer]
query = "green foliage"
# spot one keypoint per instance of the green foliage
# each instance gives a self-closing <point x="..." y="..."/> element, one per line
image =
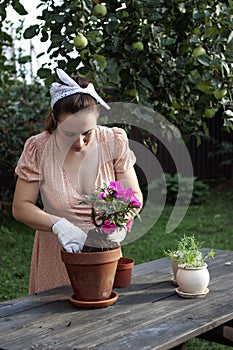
<point x="12" y="59"/>
<point x="187" y="252"/>
<point x="186" y="184"/>
<point x="15" y="254"/>
<point x="194" y="258"/>
<point x="225" y="151"/>
<point x="185" y="54"/>
<point x="23" y="109"/>
<point x="186" y="243"/>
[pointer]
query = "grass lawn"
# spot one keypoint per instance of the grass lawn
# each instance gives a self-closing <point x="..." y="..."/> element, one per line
<point x="210" y="221"/>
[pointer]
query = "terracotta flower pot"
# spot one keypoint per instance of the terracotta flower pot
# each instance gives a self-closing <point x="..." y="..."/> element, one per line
<point x="92" y="274"/>
<point x="123" y="272"/>
<point x="174" y="268"/>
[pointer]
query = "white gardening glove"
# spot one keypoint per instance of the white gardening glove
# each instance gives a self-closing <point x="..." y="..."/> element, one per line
<point x="117" y="236"/>
<point x="70" y="236"/>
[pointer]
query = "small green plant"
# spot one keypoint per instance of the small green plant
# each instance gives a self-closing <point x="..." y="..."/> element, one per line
<point x="189" y="243"/>
<point x="194" y="258"/>
<point x="173" y="254"/>
<point x="188" y="253"/>
<point x="186" y="243"/>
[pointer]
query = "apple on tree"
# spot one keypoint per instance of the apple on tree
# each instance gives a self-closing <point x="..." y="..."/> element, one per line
<point x="198" y="51"/>
<point x="80" y="41"/>
<point x="209" y="112"/>
<point x="100" y="10"/>
<point x="138" y="45"/>
<point x="218" y="94"/>
<point x="131" y="92"/>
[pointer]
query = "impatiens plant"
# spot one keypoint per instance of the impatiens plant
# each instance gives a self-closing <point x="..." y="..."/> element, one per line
<point x="113" y="207"/>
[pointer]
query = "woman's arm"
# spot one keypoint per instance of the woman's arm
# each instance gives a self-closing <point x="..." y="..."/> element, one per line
<point x="129" y="179"/>
<point x="24" y="207"/>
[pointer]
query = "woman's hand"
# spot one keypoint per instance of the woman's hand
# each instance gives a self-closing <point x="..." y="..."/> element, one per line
<point x="71" y="237"/>
<point x="118" y="235"/>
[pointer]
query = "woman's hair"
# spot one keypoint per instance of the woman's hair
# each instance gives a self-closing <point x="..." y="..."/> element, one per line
<point x="69" y="105"/>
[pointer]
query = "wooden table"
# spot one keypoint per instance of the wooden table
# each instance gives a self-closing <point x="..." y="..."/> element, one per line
<point x="148" y="314"/>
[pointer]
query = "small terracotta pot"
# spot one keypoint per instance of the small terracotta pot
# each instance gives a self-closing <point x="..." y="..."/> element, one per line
<point x="174" y="268"/>
<point x="123" y="273"/>
<point x="91" y="274"/>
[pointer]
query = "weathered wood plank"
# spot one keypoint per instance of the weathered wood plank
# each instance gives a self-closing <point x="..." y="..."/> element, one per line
<point x="10" y="307"/>
<point x="152" y="266"/>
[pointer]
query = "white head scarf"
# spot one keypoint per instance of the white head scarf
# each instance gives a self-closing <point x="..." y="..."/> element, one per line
<point x="58" y="91"/>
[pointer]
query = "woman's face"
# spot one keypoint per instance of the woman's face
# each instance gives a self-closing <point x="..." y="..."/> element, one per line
<point x="77" y="131"/>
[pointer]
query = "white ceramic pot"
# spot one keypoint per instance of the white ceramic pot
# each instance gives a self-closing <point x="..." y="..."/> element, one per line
<point x="193" y="280"/>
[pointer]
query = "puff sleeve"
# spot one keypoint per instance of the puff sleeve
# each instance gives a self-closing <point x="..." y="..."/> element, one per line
<point x="124" y="158"/>
<point x="28" y="166"/>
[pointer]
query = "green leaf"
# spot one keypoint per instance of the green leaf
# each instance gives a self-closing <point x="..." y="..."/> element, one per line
<point x="145" y="82"/>
<point x="216" y="62"/>
<point x="68" y="45"/>
<point x="56" y="38"/>
<point x="30" y="32"/>
<point x="205" y="129"/>
<point x="226" y="67"/>
<point x="44" y="72"/>
<point x="230" y="40"/>
<point x="205" y="60"/>
<point x="87" y="5"/>
<point x="2" y="13"/>
<point x="210" y="32"/>
<point x="94" y="37"/>
<point x="44" y="36"/>
<point x="58" y="18"/>
<point x="204" y="87"/>
<point x="24" y="59"/>
<point x="229" y="55"/>
<point x="168" y="41"/>
<point x="154" y="147"/>
<point x="198" y="139"/>
<point x="112" y="64"/>
<point x="18" y="7"/>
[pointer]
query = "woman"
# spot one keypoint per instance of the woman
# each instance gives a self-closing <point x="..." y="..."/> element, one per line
<point x="70" y="158"/>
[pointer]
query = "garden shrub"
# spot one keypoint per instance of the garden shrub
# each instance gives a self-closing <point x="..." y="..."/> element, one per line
<point x="168" y="185"/>
<point x="23" y="108"/>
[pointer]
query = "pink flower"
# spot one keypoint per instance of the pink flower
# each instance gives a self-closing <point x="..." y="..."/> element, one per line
<point x="129" y="225"/>
<point x="135" y="202"/>
<point x="128" y="193"/>
<point x="103" y="195"/>
<point x="117" y="187"/>
<point x="112" y="206"/>
<point x="107" y="227"/>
